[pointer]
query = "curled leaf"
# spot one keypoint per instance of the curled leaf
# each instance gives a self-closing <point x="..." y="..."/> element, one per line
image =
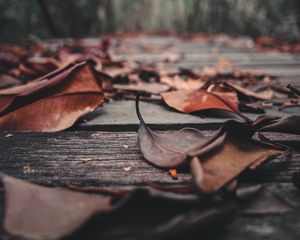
<point x="166" y="150"/>
<point x="290" y="124"/>
<point x="73" y="78"/>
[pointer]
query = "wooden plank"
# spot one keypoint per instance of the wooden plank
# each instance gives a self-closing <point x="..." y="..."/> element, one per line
<point x="100" y="158"/>
<point x="121" y="115"/>
<point x="208" y="58"/>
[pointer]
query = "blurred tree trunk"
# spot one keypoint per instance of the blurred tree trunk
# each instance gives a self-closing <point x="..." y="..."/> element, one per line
<point x="297" y="12"/>
<point x="52" y="28"/>
<point x="193" y="16"/>
<point x="105" y="13"/>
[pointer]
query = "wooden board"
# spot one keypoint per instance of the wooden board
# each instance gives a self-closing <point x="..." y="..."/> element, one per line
<point x="120" y="115"/>
<point x="100" y="158"/>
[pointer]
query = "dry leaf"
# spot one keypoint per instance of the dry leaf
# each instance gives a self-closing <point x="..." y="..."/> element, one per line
<point x="52" y="113"/>
<point x="173" y="173"/>
<point x="37" y="212"/>
<point x="177" y="82"/>
<point x="188" y="101"/>
<point x="263" y="95"/>
<point x="166" y="150"/>
<point x="73" y="78"/>
<point x="8" y="81"/>
<point x="238" y="151"/>
<point x="290" y="124"/>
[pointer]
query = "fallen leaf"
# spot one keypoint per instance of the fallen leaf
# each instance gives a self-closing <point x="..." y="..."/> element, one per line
<point x="224" y="91"/>
<point x="290" y="124"/>
<point x="8" y="81"/>
<point x="70" y="79"/>
<point x="173" y="173"/>
<point x="178" y="83"/>
<point x="166" y="150"/>
<point x="222" y="163"/>
<point x="52" y="113"/>
<point x="37" y="212"/>
<point x="102" y="190"/>
<point x="263" y="95"/>
<point x="189" y="101"/>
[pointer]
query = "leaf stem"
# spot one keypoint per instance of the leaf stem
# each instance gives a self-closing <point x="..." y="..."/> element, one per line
<point x="137" y="108"/>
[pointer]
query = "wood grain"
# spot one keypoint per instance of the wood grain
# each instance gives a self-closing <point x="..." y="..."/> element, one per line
<point x="101" y="158"/>
<point x="121" y="115"/>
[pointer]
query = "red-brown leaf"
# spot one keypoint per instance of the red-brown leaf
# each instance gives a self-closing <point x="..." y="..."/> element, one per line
<point x="70" y="79"/>
<point x="188" y="101"/>
<point x="53" y="113"/>
<point x="238" y="151"/>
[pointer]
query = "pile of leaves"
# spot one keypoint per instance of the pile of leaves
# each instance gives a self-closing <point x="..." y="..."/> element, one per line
<point x="37" y="79"/>
<point x="52" y="85"/>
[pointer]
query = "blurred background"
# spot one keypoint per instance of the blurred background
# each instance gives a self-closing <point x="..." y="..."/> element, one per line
<point x="20" y="19"/>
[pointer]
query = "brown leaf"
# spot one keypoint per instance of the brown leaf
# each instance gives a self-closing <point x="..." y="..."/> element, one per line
<point x="70" y="79"/>
<point x="173" y="173"/>
<point x="53" y="113"/>
<point x="166" y="150"/>
<point x="223" y="91"/>
<point x="8" y="81"/>
<point x="263" y="95"/>
<point x="37" y="212"/>
<point x="103" y="190"/>
<point x="7" y="96"/>
<point x="237" y="152"/>
<point x="290" y="124"/>
<point x="177" y="82"/>
<point x="189" y="101"/>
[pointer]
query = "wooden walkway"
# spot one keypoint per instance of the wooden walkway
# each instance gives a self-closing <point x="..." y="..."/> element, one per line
<point x="103" y="150"/>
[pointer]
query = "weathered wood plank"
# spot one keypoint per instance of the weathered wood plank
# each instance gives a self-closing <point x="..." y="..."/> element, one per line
<point x="121" y="115"/>
<point x="205" y="59"/>
<point x="100" y="158"/>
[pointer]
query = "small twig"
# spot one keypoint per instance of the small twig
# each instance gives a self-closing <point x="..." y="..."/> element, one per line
<point x="293" y="89"/>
